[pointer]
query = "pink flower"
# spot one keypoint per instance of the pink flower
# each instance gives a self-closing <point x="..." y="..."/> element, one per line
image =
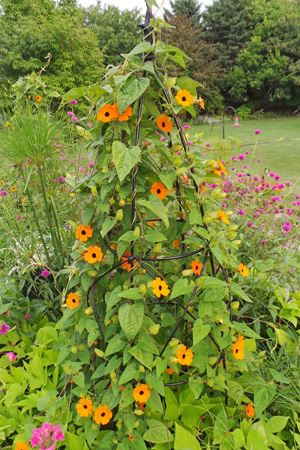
<point x="241" y="212"/>
<point x="233" y="158"/>
<point x="45" y="273"/>
<point x="256" y="131"/>
<point x="89" y="125"/>
<point x="207" y="145"/>
<point x="19" y="217"/>
<point x="241" y="157"/>
<point x="73" y="102"/>
<point x="75" y="120"/>
<point x="3" y="193"/>
<point x="263" y="243"/>
<point x="41" y="436"/>
<point x="255" y="178"/>
<point x="249" y="224"/>
<point x="258" y="160"/>
<point x="27" y="316"/>
<point x="91" y="164"/>
<point x="11" y="356"/>
<point x="277" y="177"/>
<point x="186" y="127"/>
<point x="4" y="328"/>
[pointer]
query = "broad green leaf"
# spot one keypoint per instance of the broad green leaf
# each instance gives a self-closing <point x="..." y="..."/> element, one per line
<point x="213" y="282"/>
<point x="132" y="293"/>
<point x="276" y="424"/>
<point x="115" y="345"/>
<point x="172" y="406"/>
<point x="128" y="236"/>
<point x="239" y="438"/>
<point x="157" y="206"/>
<point x="108" y="224"/>
<point x="140" y="48"/>
<point x="131" y="91"/>
<point x="126" y="397"/>
<point x="181" y="287"/>
<point x="129" y="373"/>
<point x="168" y="179"/>
<point x="196" y="386"/>
<point x="263" y="395"/>
<point x="158" y="433"/>
<point x="72" y="94"/>
<point x="124" y="158"/>
<point x="217" y="253"/>
<point x="138" y="442"/>
<point x="188" y="84"/>
<point x="79" y="379"/>
<point x="255" y="440"/>
<point x="74" y="441"/>
<point x="236" y="290"/>
<point x="131" y="319"/>
<point x="278" y="376"/>
<point x="155" y="236"/>
<point x="195" y="217"/>
<point x="87" y="214"/>
<point x="142" y="356"/>
<point x="244" y="329"/>
<point x="156" y="383"/>
<point x="83" y="132"/>
<point x="185" y="439"/>
<point x="112" y="298"/>
<point x="200" y="331"/>
<point x="214" y="295"/>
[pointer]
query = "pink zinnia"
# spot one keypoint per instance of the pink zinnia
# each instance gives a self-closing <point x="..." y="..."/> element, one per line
<point x="4" y="328"/>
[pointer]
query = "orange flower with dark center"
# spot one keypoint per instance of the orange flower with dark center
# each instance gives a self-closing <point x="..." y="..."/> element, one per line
<point x="200" y="102"/>
<point x="72" y="300"/>
<point x="223" y="217"/>
<point x="185" y="356"/>
<point x="176" y="243"/>
<point x="170" y="370"/>
<point x="239" y="348"/>
<point x="160" y="190"/>
<point x="38" y="98"/>
<point x="165" y="123"/>
<point x="93" y="254"/>
<point x="196" y="266"/>
<point x="103" y="415"/>
<point x="126" y="264"/>
<point x="184" y="98"/>
<point x="83" y="233"/>
<point x="131" y="437"/>
<point x="107" y="113"/>
<point x="160" y="287"/>
<point x="141" y="393"/>
<point x="84" y="407"/>
<point x="243" y="270"/>
<point x="250" y="410"/>
<point x="126" y="114"/>
<point x="22" y="446"/>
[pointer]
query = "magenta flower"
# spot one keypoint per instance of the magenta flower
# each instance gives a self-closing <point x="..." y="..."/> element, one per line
<point x="258" y="160"/>
<point x="91" y="164"/>
<point x="11" y="356"/>
<point x="4" y="328"/>
<point x="73" y="102"/>
<point x="62" y="180"/>
<point x="241" y="212"/>
<point x="249" y="224"/>
<point x="233" y="158"/>
<point x="207" y="145"/>
<point x="256" y="131"/>
<point x="3" y="193"/>
<point x="75" y="120"/>
<point x="255" y="178"/>
<point x="89" y="125"/>
<point x="45" y="273"/>
<point x="186" y="127"/>
<point x="19" y="217"/>
<point x="241" y="157"/>
<point x="263" y="243"/>
<point x="42" y="436"/>
<point x="27" y="316"/>
<point x="277" y="177"/>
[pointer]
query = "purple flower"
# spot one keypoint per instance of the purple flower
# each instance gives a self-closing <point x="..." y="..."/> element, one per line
<point x="62" y="180"/>
<point x="255" y="178"/>
<point x="70" y="113"/>
<point x="19" y="217"/>
<point x="111" y="275"/>
<point x="75" y="120"/>
<point x="258" y="160"/>
<point x="11" y="356"/>
<point x="249" y="224"/>
<point x="256" y="131"/>
<point x="234" y="158"/>
<point x="45" y="273"/>
<point x="27" y="316"/>
<point x="241" y="212"/>
<point x="241" y="157"/>
<point x="277" y="177"/>
<point x="263" y="243"/>
<point x="178" y="153"/>
<point x="207" y="145"/>
<point x="246" y="153"/>
<point x="89" y="125"/>
<point x="3" y="193"/>
<point x="272" y="174"/>
<point x="73" y="102"/>
<point x="190" y="143"/>
<point x="91" y="164"/>
<point x="186" y="127"/>
<point x="4" y="328"/>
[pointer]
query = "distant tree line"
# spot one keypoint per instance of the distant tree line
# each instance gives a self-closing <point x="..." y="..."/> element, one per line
<point x="243" y="52"/>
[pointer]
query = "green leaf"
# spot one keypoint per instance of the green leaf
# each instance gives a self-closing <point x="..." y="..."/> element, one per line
<point x="188" y="84"/>
<point x="213" y="282"/>
<point x="124" y="158"/>
<point x="129" y="373"/>
<point x="244" y="329"/>
<point x="108" y="224"/>
<point x="196" y="386"/>
<point x="255" y="440"/>
<point x="131" y="319"/>
<point x="79" y="379"/>
<point x="131" y="91"/>
<point x="128" y="236"/>
<point x="185" y="439"/>
<point x="72" y="94"/>
<point x="112" y="298"/>
<point x="181" y="287"/>
<point x="263" y="395"/>
<point x="157" y="433"/>
<point x="217" y="253"/>
<point x="168" y="179"/>
<point x="83" y="132"/>
<point x="142" y="356"/>
<point x="155" y="236"/>
<point x="172" y="406"/>
<point x="132" y="294"/>
<point x="156" y="383"/>
<point x="115" y="345"/>
<point x="276" y="424"/>
<point x="278" y="376"/>
<point x="214" y="295"/>
<point x="236" y="290"/>
<point x="138" y="442"/>
<point x="126" y="397"/>
<point x="200" y="331"/>
<point x="74" y="441"/>
<point x="157" y="206"/>
<point x="195" y="217"/>
<point x="239" y="438"/>
<point x="87" y="214"/>
<point x="143" y="47"/>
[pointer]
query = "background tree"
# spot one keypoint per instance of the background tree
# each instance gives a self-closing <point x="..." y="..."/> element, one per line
<point x="118" y="31"/>
<point x="190" y="9"/>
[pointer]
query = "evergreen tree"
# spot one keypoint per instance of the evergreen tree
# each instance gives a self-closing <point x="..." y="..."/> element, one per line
<point x="190" y="9"/>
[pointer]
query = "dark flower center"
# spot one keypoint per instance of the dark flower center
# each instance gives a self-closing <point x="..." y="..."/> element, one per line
<point x="83" y="232"/>
<point x="158" y="191"/>
<point x="103" y="414"/>
<point x="106" y="114"/>
<point x="183" y="356"/>
<point x="237" y="350"/>
<point x="74" y="301"/>
<point x="183" y="99"/>
<point x="94" y="255"/>
<point x="160" y="287"/>
<point x="163" y="124"/>
<point x="196" y="267"/>
<point x="85" y="406"/>
<point x="141" y="392"/>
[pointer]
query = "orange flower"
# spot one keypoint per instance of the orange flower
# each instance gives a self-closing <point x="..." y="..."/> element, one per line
<point x="84" y="407"/>
<point x="142" y="405"/>
<point x="7" y="125"/>
<point x="93" y="254"/>
<point x="184" y="98"/>
<point x="202" y="187"/>
<point x="141" y="393"/>
<point x="103" y="415"/>
<point x="223" y="217"/>
<point x="83" y="233"/>
<point x="196" y="266"/>
<point x="243" y="270"/>
<point x="13" y="189"/>
<point x="160" y="190"/>
<point x="107" y="113"/>
<point x="160" y="287"/>
<point x="126" y="114"/>
<point x="239" y="348"/>
<point x="72" y="300"/>
<point x="176" y="243"/>
<point x="164" y="123"/>
<point x="185" y="356"/>
<point x="122" y="388"/>
<point x="22" y="446"/>
<point x="38" y="98"/>
<point x="150" y="223"/>
<point x="170" y="370"/>
<point x="200" y="102"/>
<point x="131" y="437"/>
<point x="250" y="410"/>
<point x="220" y="169"/>
<point x="126" y="264"/>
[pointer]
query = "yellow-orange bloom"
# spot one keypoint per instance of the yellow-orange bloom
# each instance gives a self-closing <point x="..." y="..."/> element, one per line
<point x="223" y="217"/>
<point x="200" y="102"/>
<point x="196" y="266"/>
<point x="160" y="190"/>
<point x="239" y="348"/>
<point x="83" y="233"/>
<point x="141" y="393"/>
<point x="7" y="125"/>
<point x="176" y="243"/>
<point x="185" y="356"/>
<point x="93" y="254"/>
<point x="103" y="415"/>
<point x="170" y="370"/>
<point x="202" y="187"/>
<point x="220" y="169"/>
<point x="164" y="123"/>
<point x="243" y="270"/>
<point x="22" y="446"/>
<point x="184" y="98"/>
<point x="38" y="98"/>
<point x="72" y="300"/>
<point x="160" y="288"/>
<point x="250" y="410"/>
<point x="107" y="113"/>
<point x="84" y="407"/>
<point x="126" y="264"/>
<point x="126" y="114"/>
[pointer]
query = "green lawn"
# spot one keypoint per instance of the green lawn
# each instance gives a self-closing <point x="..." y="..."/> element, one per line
<point x="280" y="157"/>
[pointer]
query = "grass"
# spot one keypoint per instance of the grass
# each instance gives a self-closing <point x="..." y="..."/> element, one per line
<point x="281" y="157"/>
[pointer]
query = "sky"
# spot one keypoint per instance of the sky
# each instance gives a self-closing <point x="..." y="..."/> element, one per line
<point x="129" y="4"/>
